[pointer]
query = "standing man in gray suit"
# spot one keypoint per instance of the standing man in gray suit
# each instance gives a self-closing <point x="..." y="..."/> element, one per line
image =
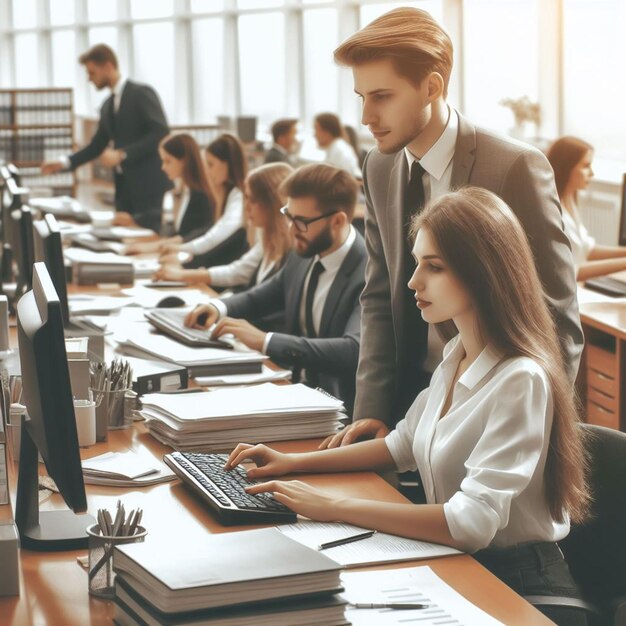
<point x="401" y="65"/>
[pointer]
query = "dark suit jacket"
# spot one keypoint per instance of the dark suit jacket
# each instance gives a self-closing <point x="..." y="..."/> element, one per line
<point x="330" y="359"/>
<point x="198" y="216"/>
<point x="137" y="128"/>
<point x="274" y="155"/>
<point x="523" y="178"/>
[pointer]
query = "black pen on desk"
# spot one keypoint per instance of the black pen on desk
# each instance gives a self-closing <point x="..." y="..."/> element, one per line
<point x="399" y="606"/>
<point x="341" y="542"/>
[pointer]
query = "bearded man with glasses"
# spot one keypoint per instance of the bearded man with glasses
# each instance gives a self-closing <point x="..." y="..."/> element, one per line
<point x="317" y="290"/>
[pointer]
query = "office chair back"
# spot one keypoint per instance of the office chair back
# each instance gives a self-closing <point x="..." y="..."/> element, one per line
<point x="596" y="550"/>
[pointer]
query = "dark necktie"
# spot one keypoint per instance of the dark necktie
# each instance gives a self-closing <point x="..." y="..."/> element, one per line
<point x="318" y="268"/>
<point x="415" y="330"/>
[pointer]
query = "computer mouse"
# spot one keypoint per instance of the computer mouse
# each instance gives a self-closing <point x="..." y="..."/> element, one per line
<point x="169" y="302"/>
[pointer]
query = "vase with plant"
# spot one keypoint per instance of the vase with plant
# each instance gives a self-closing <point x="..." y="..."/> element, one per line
<point x="525" y="112"/>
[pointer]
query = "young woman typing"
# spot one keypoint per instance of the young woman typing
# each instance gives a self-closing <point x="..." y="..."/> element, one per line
<point x="194" y="203"/>
<point x="268" y="232"/>
<point x="571" y="161"/>
<point x="494" y="436"/>
<point x="227" y="169"/>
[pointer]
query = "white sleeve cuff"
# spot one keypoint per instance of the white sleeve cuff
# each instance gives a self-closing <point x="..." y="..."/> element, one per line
<point x="222" y="311"/>
<point x="266" y="342"/>
<point x="64" y="160"/>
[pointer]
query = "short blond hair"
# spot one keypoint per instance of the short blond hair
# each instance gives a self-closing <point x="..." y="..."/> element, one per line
<point x="415" y="43"/>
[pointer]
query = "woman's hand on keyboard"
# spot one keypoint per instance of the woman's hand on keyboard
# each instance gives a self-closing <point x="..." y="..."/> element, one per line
<point x="268" y="462"/>
<point x="300" y="498"/>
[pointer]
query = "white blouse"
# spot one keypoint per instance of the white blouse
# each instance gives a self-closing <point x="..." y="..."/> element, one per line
<point x="581" y="241"/>
<point x="227" y="225"/>
<point x="342" y="155"/>
<point x="485" y="459"/>
<point x="239" y="272"/>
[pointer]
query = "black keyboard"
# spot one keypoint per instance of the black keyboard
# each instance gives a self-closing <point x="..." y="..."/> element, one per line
<point x="223" y="490"/>
<point x="607" y="285"/>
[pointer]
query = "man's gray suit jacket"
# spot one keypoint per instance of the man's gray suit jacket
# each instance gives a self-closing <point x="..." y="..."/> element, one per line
<point x="330" y="359"/>
<point x="523" y="178"/>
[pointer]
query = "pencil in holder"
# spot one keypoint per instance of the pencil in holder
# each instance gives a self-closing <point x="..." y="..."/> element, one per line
<point x="101" y="547"/>
<point x="110" y="409"/>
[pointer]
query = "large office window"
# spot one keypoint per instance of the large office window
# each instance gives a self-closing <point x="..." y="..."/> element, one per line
<point x="593" y="78"/>
<point x="273" y="58"/>
<point x="262" y="65"/>
<point x="500" y="59"/>
<point x="153" y="44"/>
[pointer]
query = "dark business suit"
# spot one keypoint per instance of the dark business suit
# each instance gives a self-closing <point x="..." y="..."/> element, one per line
<point x="136" y="128"/>
<point x="198" y="217"/>
<point x="331" y="358"/>
<point x="276" y="155"/>
<point x="523" y="178"/>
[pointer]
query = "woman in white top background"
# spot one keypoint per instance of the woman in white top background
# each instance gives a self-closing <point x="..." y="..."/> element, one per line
<point x="494" y="435"/>
<point x="227" y="169"/>
<point x="571" y="160"/>
<point x="193" y="199"/>
<point x="268" y="233"/>
<point x="331" y="137"/>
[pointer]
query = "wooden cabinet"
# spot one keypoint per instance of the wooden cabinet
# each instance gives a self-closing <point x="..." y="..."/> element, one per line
<point x="602" y="378"/>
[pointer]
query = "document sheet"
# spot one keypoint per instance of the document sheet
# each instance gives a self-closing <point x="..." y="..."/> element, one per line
<point x="414" y="584"/>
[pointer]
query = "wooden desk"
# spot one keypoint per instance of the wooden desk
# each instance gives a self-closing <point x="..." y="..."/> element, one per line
<point x="54" y="586"/>
<point x="602" y="377"/>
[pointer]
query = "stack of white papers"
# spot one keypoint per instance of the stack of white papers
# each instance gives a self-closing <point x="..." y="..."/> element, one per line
<point x="419" y="585"/>
<point x="215" y="421"/>
<point x="90" y="305"/>
<point x="200" y="361"/>
<point x="149" y="298"/>
<point x="125" y="469"/>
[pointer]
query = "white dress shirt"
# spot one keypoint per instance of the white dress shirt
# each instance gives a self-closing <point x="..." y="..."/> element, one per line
<point x="342" y="155"/>
<point x="438" y="165"/>
<point x="227" y="225"/>
<point x="484" y="460"/>
<point x="581" y="241"/>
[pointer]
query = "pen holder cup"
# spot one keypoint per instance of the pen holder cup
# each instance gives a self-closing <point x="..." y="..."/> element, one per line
<point x="110" y="409"/>
<point x="101" y="575"/>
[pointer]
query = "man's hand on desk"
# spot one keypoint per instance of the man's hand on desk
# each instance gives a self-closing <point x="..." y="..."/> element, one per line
<point x="121" y="218"/>
<point x="248" y="334"/>
<point x="268" y="462"/>
<point x="51" y="167"/>
<point x="369" y="428"/>
<point x="203" y="317"/>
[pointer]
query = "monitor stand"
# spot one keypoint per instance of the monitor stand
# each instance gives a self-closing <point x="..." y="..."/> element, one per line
<point x="44" y="531"/>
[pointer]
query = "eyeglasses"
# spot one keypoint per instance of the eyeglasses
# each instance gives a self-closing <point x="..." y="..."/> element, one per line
<point x="301" y="224"/>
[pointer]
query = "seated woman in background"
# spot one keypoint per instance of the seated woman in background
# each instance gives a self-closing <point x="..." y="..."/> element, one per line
<point x="571" y="161"/>
<point x="194" y="203"/>
<point x="330" y="137"/>
<point x="227" y="169"/>
<point x="268" y="232"/>
<point x="494" y="436"/>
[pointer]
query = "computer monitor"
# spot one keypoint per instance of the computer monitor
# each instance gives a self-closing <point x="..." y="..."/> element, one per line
<point x="49" y="250"/>
<point x="21" y="241"/>
<point x="622" y="218"/>
<point x="50" y="427"/>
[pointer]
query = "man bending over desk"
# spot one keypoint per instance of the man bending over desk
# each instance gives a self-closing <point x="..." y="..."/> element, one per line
<point x="317" y="290"/>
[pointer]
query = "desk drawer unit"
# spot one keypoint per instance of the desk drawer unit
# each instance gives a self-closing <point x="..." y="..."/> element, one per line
<point x="602" y="387"/>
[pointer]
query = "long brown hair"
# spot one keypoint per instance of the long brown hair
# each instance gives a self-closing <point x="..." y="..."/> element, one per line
<point x="228" y="148"/>
<point x="184" y="148"/>
<point x="564" y="154"/>
<point x="485" y="247"/>
<point x="264" y="184"/>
